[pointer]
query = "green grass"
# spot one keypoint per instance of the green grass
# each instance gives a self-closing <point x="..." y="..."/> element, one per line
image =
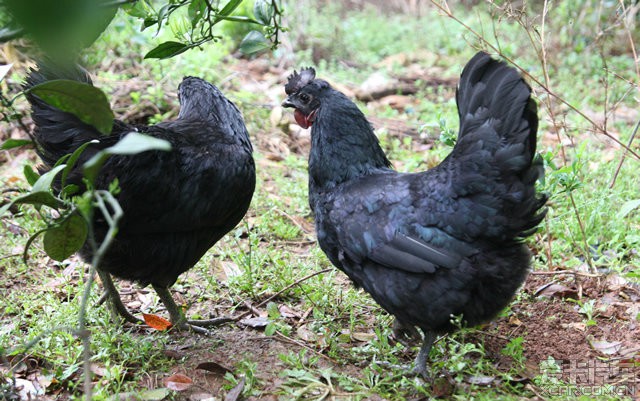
<point x="271" y="250"/>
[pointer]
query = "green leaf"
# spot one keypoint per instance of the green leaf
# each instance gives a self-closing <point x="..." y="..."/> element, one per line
<point x="44" y="182"/>
<point x="70" y="189"/>
<point x="33" y="198"/>
<point x="263" y="11"/>
<point x="138" y="9"/>
<point x="14" y="143"/>
<point x="4" y="70"/>
<point x="131" y="144"/>
<point x="62" y="26"/>
<point x="628" y="207"/>
<point x="241" y="19"/>
<point x="272" y="310"/>
<point x="161" y="16"/>
<point x="66" y="238"/>
<point x="167" y="50"/>
<point x="254" y="42"/>
<point x="196" y="11"/>
<point x="73" y="158"/>
<point x="229" y="7"/>
<point x="270" y="329"/>
<point x="148" y="22"/>
<point x="30" y="174"/>
<point x="135" y="142"/>
<point x="85" y="101"/>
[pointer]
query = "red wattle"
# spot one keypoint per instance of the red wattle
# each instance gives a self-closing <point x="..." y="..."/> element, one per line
<point x="301" y="119"/>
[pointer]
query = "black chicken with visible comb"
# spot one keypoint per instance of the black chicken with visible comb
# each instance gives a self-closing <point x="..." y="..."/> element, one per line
<point x="431" y="245"/>
<point x="176" y="204"/>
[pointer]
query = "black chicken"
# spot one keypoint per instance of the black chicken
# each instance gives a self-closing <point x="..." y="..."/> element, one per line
<point x="176" y="204"/>
<point x="431" y="245"/>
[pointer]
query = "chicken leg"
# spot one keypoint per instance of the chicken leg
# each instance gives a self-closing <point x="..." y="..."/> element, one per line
<point x="421" y="360"/>
<point x="115" y="303"/>
<point x="178" y="319"/>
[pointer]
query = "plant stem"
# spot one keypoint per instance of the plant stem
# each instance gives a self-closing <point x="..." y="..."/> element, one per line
<point x="101" y="198"/>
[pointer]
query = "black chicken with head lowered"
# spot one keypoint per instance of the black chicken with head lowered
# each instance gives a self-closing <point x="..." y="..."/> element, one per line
<point x="177" y="204"/>
<point x="440" y="243"/>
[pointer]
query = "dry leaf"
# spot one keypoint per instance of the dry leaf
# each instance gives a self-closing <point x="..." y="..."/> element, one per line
<point x="231" y="269"/>
<point x="306" y="335"/>
<point x="285" y="311"/>
<point x="556" y="290"/>
<point x="235" y="392"/>
<point x="202" y="397"/>
<point x="580" y="326"/>
<point x="178" y="382"/>
<point x="173" y="354"/>
<point x="98" y="370"/>
<point x="363" y="337"/>
<point x="606" y="347"/>
<point x="441" y="388"/>
<point x="481" y="380"/>
<point x="156" y="322"/>
<point x="26" y="389"/>
<point x="225" y="270"/>
<point x="255" y="322"/>
<point x="213" y="367"/>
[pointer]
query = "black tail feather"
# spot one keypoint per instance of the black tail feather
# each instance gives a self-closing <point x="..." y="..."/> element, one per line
<point x="498" y="116"/>
<point x="490" y="89"/>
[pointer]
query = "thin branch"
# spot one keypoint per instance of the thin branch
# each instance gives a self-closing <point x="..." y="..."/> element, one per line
<point x="287" y="288"/>
<point x="282" y="337"/>
<point x="548" y="90"/>
<point x="624" y="155"/>
<point x="571" y="272"/>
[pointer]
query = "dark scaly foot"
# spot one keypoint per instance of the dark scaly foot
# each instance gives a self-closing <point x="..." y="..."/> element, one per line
<point x="177" y="317"/>
<point x="115" y="303"/>
<point x="423" y="355"/>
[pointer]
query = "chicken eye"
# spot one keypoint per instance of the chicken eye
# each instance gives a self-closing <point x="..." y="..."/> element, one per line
<point x="305" y="98"/>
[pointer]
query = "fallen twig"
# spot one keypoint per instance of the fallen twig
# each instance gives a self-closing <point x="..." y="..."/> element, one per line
<point x="277" y="294"/>
<point x="573" y="272"/>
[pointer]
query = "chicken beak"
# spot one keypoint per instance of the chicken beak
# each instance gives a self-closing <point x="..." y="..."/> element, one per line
<point x="287" y="103"/>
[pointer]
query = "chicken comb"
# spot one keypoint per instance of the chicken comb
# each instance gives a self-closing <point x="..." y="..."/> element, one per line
<point x="298" y="81"/>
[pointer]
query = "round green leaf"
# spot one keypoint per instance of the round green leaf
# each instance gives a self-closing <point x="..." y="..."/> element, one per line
<point x="85" y="101"/>
<point x="254" y="42"/>
<point x="64" y="240"/>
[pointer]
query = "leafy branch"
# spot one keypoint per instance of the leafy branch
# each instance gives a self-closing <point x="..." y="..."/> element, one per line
<point x="68" y="216"/>
<point x="197" y="27"/>
<point x="64" y="31"/>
